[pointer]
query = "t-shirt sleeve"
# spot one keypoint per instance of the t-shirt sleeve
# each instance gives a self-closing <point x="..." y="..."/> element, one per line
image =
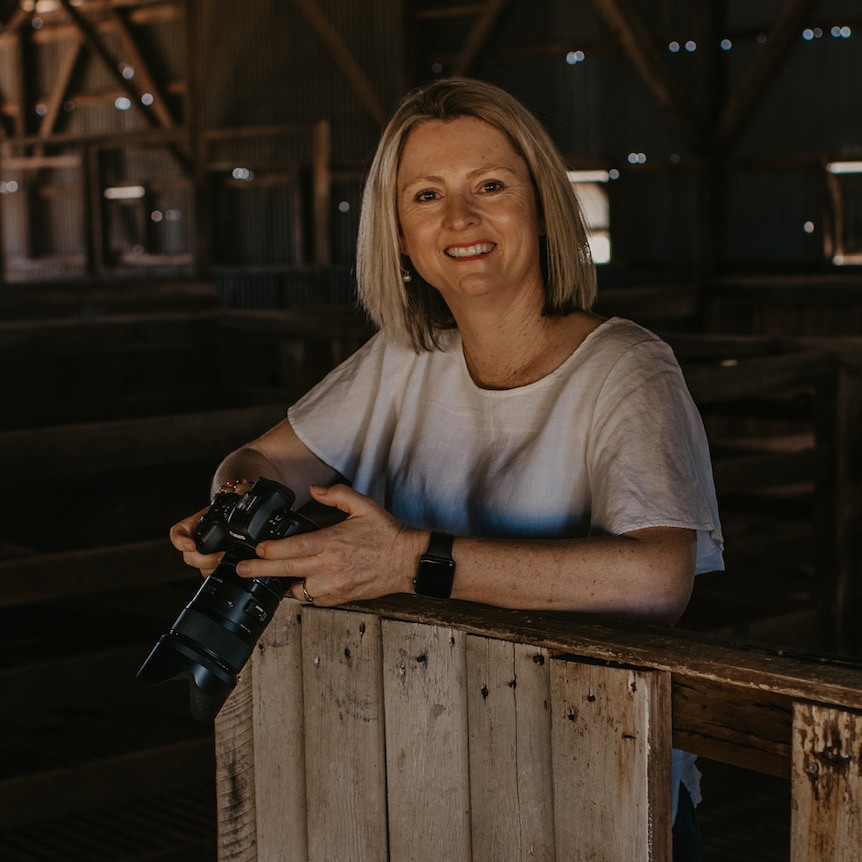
<point x="648" y="459"/>
<point x="343" y="415"/>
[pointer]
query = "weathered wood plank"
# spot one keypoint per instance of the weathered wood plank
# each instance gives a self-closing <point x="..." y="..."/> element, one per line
<point x="657" y="647"/>
<point x="610" y="730"/>
<point x="235" y="781"/>
<point x="76" y="450"/>
<point x="52" y="793"/>
<point x="424" y="684"/>
<point x="279" y="726"/>
<point x="751" y="732"/>
<point x="768" y="374"/>
<point x="826" y="785"/>
<point x="511" y="786"/>
<point x="76" y="573"/>
<point x="345" y="758"/>
<point x="82" y="679"/>
<point x="756" y="472"/>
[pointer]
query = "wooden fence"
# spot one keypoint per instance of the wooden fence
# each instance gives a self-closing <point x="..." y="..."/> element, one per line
<point x="410" y="730"/>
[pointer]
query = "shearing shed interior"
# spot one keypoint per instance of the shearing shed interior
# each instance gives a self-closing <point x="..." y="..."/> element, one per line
<point x="180" y="186"/>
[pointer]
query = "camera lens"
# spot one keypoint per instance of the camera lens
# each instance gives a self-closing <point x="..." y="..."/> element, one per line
<point x="215" y="634"/>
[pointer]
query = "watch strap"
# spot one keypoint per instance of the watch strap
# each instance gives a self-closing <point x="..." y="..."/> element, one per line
<point x="436" y="569"/>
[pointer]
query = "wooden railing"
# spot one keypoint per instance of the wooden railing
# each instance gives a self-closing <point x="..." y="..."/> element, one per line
<point x="411" y="730"/>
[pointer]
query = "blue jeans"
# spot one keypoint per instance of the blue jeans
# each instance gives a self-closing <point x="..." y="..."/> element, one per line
<point x="686" y="835"/>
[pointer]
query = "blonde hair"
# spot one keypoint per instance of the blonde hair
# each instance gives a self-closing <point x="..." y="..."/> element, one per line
<point x="416" y="314"/>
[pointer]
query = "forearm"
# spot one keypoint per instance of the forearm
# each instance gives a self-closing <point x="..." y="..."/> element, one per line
<point x="279" y="454"/>
<point x="644" y="575"/>
<point x="245" y="463"/>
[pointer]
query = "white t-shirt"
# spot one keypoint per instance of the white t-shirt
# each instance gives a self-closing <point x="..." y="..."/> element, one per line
<point x="609" y="442"/>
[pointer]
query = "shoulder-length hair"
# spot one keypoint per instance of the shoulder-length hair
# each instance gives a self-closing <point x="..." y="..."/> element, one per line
<point x="416" y="313"/>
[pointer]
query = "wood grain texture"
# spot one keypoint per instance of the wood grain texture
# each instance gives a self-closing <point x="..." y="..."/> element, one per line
<point x="424" y="683"/>
<point x="344" y="747"/>
<point x="279" y="746"/>
<point x="827" y="784"/>
<point x="511" y="787"/>
<point x="610" y="730"/>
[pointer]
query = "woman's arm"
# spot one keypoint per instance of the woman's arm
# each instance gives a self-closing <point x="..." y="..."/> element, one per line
<point x="277" y="454"/>
<point x="646" y="574"/>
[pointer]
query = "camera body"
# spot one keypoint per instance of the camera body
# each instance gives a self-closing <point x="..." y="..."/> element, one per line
<point x="215" y="634"/>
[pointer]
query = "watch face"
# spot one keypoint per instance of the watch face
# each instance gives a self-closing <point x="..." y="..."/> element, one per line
<point x="434" y="577"/>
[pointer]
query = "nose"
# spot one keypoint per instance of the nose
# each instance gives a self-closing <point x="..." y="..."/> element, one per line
<point x="461" y="211"/>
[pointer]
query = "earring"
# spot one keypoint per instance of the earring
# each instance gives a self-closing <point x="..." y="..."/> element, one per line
<point x="406" y="275"/>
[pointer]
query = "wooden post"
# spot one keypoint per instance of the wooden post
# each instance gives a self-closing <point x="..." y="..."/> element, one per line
<point x="198" y="146"/>
<point x="279" y="725"/>
<point x="827" y="784"/>
<point x="94" y="223"/>
<point x="424" y="684"/>
<point x="321" y="154"/>
<point x="344" y="747"/>
<point x="511" y="786"/>
<point x="235" y="798"/>
<point x="611" y="731"/>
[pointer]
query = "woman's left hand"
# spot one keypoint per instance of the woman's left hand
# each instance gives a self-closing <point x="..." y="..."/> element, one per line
<point x="367" y="555"/>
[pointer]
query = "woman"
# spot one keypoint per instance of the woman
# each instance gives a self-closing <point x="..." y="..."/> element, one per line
<point x="561" y="450"/>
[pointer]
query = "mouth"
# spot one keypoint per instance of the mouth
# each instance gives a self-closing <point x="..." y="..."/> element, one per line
<point x="462" y="252"/>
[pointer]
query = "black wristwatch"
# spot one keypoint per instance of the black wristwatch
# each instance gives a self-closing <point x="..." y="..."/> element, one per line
<point x="436" y="569"/>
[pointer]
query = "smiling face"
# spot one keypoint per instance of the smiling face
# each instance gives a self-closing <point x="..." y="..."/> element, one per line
<point x="468" y="213"/>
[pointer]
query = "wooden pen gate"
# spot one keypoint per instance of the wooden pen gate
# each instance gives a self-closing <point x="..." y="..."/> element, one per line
<point x="412" y="730"/>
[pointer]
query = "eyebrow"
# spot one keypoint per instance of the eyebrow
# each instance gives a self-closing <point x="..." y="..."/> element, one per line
<point x="434" y="178"/>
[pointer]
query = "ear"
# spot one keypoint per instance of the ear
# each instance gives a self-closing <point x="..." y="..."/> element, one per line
<point x="402" y="245"/>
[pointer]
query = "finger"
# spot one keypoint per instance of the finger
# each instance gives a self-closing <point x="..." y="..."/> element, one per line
<point x="341" y="497"/>
<point x="299" y="591"/>
<point x="182" y="533"/>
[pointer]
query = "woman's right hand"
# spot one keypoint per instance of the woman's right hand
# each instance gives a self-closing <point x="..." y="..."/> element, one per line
<point x="182" y="538"/>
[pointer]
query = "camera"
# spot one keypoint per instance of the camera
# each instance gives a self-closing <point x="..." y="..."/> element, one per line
<point x="214" y="635"/>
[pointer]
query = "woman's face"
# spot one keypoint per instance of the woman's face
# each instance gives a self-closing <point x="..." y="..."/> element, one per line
<point x="468" y="213"/>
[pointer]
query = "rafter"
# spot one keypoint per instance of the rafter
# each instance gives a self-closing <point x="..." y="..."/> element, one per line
<point x="641" y="50"/>
<point x="478" y="35"/>
<point x="61" y="87"/>
<point x="763" y="67"/>
<point x="17" y="20"/>
<point x="142" y="70"/>
<point x="94" y="41"/>
<point x="343" y="58"/>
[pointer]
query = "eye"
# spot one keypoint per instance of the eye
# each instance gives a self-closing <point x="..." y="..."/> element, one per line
<point x="491" y="186"/>
<point x="426" y="195"/>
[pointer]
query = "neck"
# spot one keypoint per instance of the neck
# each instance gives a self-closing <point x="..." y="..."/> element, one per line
<point x="513" y="353"/>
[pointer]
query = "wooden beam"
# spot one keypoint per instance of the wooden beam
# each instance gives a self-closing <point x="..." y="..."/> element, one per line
<point x="21" y="17"/>
<point x="92" y="38"/>
<point x="640" y="48"/>
<point x="61" y="86"/>
<point x="322" y="190"/>
<point x="478" y="35"/>
<point x="196" y="122"/>
<point x="343" y="58"/>
<point x="157" y="441"/>
<point x="762" y="70"/>
<point x="30" y="163"/>
<point x="827" y="784"/>
<point x="81" y="573"/>
<point x="53" y="793"/>
<point x="142" y="71"/>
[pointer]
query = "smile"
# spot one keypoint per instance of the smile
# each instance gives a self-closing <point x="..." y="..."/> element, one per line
<point x="470" y="250"/>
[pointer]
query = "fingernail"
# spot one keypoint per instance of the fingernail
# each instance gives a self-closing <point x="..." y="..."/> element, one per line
<point x="242" y="569"/>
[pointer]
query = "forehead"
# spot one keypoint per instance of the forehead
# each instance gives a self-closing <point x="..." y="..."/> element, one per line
<point x="463" y="138"/>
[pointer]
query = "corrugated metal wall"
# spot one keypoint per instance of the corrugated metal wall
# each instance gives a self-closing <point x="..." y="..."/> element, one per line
<point x="263" y="64"/>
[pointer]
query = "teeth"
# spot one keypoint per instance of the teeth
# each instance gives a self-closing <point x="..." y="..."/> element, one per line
<point x="470" y="250"/>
